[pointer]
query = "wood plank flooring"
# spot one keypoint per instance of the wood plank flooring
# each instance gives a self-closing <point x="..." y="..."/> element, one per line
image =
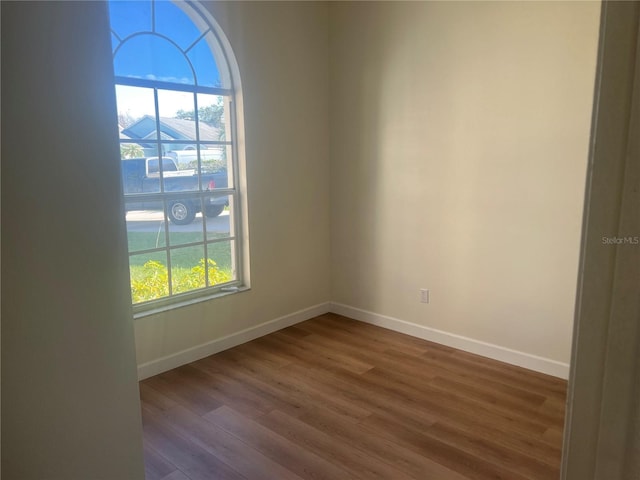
<point x="333" y="398"/>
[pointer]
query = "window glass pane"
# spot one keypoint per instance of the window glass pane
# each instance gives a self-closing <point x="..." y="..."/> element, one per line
<point x="183" y="211"/>
<point x="204" y="64"/>
<point x="180" y="169"/>
<point x="186" y="159"/>
<point x="173" y="22"/>
<point x="178" y="175"/>
<point x="150" y="57"/>
<point x="156" y="164"/>
<point x="134" y="105"/>
<point x="128" y="17"/>
<point x="217" y="213"/>
<point x="185" y="221"/>
<point x="149" y="276"/>
<point x="212" y="117"/>
<point x="214" y="170"/>
<point x="221" y="264"/>
<point x="132" y="179"/>
<point x="187" y="269"/>
<point x="136" y="121"/>
<point x="139" y="175"/>
<point x="177" y="120"/>
<point x="213" y="160"/>
<point x="145" y="229"/>
<point x="184" y="234"/>
<point x="130" y="149"/>
<point x="114" y="41"/>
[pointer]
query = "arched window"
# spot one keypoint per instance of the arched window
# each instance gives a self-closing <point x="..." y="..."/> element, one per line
<point x="176" y="96"/>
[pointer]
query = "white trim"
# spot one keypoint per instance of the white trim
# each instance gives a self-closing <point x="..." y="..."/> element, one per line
<point x="189" y="355"/>
<point x="496" y="352"/>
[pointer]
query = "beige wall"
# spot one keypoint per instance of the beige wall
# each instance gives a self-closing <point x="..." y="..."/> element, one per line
<point x="70" y="408"/>
<point x="282" y="54"/>
<point x="459" y="136"/>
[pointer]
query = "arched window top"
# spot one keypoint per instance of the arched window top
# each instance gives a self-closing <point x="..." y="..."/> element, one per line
<point x="163" y="41"/>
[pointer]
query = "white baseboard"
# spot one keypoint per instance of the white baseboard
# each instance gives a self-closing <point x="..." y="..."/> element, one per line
<point x="514" y="357"/>
<point x="189" y="355"/>
<point x="496" y="352"/>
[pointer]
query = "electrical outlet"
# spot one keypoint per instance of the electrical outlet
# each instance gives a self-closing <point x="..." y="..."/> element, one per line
<point x="424" y="295"/>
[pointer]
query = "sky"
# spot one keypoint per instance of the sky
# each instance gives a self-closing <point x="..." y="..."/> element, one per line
<point x="152" y="57"/>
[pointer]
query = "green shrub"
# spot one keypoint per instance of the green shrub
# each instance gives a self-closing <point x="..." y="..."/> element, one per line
<point x="151" y="280"/>
<point x="209" y="165"/>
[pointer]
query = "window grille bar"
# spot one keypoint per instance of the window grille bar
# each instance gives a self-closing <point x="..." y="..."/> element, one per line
<point x="196" y="115"/>
<point x="187" y="194"/>
<point x="167" y="240"/>
<point x="174" y="142"/>
<point x="153" y="16"/>
<point x="182" y="245"/>
<point x="197" y="40"/>
<point x="181" y="87"/>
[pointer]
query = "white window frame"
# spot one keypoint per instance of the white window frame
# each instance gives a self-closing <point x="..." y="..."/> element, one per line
<point x="236" y="190"/>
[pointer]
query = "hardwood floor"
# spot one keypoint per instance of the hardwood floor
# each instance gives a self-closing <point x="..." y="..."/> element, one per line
<point x="333" y="398"/>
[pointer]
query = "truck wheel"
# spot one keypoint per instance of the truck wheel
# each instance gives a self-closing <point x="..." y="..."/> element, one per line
<point x="213" y="210"/>
<point x="181" y="212"/>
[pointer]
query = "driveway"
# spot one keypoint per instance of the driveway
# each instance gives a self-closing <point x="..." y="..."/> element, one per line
<point x="152" y="221"/>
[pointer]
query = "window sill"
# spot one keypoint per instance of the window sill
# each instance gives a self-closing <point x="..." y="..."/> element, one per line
<point x="185" y="303"/>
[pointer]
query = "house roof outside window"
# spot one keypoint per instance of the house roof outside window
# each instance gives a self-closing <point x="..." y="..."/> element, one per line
<point x="170" y="129"/>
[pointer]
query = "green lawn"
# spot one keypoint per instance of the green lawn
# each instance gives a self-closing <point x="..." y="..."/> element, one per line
<point x="187" y="257"/>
